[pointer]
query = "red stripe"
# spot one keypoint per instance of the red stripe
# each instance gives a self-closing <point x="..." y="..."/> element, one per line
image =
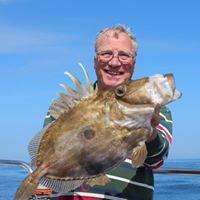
<point x="129" y="158"/>
<point x="160" y="163"/>
<point x="169" y="137"/>
<point x="84" y="188"/>
<point x="77" y="197"/>
<point x="154" y="166"/>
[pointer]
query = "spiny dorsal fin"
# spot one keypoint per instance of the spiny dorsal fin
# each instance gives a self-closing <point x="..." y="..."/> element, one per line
<point x="89" y="84"/>
<point x="67" y="101"/>
<point x="71" y="92"/>
<point x="79" y="87"/>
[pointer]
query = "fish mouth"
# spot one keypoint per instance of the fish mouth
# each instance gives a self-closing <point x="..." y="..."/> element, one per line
<point x="113" y="73"/>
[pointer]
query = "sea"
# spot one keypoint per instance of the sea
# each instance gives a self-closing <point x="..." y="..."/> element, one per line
<point x="167" y="186"/>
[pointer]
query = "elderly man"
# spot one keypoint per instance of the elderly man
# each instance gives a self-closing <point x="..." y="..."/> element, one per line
<point x="114" y="63"/>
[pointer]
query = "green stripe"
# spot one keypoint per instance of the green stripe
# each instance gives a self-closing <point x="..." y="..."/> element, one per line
<point x="166" y="112"/>
<point x="124" y="169"/>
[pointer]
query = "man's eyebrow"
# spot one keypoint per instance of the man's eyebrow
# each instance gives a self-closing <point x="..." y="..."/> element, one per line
<point x="104" y="51"/>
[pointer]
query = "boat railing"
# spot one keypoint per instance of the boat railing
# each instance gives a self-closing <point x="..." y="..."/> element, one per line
<point x="28" y="168"/>
<point x="19" y="163"/>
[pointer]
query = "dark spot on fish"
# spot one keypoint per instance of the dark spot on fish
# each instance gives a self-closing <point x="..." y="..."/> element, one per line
<point x="89" y="133"/>
<point x="93" y="168"/>
<point x="96" y="162"/>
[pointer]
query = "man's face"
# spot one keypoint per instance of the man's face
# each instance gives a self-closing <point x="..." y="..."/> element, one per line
<point x="115" y="59"/>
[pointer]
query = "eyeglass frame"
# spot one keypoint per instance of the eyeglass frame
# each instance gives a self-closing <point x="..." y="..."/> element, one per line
<point x="130" y="56"/>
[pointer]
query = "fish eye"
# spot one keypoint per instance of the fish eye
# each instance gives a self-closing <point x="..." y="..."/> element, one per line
<point x="120" y="91"/>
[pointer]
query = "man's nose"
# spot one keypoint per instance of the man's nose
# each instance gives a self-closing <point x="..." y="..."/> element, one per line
<point x="115" y="62"/>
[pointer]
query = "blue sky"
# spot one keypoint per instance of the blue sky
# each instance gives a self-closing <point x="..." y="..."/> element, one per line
<point x="39" y="40"/>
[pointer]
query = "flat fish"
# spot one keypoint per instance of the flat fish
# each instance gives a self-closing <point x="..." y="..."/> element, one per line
<point x="94" y="131"/>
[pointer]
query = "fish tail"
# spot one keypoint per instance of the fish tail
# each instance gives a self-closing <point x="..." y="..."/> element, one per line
<point x="29" y="185"/>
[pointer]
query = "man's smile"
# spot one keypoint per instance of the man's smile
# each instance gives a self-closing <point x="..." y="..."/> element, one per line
<point x="112" y="72"/>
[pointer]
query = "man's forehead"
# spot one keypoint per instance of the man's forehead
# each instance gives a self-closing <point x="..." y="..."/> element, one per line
<point x="124" y="40"/>
<point x="113" y="33"/>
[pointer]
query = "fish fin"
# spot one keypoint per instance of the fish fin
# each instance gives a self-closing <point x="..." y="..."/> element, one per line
<point x="33" y="146"/>
<point x="73" y="93"/>
<point x="100" y="180"/>
<point x="139" y="155"/>
<point x="90" y="87"/>
<point x="79" y="87"/>
<point x="67" y="101"/>
<point x="63" y="104"/>
<point x="60" y="185"/>
<point x="29" y="185"/>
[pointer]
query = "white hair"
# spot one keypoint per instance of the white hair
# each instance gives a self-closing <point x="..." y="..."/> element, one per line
<point x="120" y="28"/>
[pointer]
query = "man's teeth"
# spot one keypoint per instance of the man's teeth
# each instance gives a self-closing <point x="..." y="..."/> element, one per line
<point x="114" y="73"/>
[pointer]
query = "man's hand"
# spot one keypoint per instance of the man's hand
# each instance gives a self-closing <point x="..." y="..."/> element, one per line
<point x="154" y="122"/>
<point x="155" y="118"/>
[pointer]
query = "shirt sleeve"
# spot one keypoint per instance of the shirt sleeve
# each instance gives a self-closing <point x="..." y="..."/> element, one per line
<point x="158" y="148"/>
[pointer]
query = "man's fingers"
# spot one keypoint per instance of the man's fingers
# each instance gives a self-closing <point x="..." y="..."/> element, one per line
<point x="156" y="116"/>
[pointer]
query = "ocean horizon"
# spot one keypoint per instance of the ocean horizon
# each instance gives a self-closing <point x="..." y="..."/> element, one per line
<point x="167" y="186"/>
<point x="178" y="187"/>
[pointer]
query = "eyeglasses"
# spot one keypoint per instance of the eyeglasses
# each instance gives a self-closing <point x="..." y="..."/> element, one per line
<point x="123" y="57"/>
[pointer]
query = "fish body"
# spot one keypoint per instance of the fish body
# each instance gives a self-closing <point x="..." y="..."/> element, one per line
<point x="94" y="131"/>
